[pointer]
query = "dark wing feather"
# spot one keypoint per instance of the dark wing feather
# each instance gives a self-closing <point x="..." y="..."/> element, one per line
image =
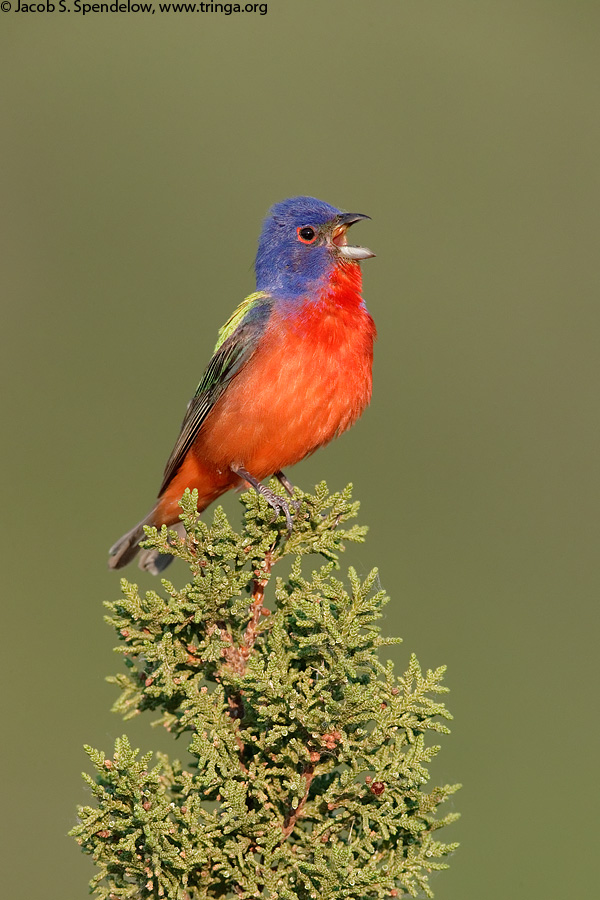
<point x="228" y="360"/>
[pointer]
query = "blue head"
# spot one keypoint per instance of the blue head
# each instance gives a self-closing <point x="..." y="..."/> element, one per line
<point x="301" y="241"/>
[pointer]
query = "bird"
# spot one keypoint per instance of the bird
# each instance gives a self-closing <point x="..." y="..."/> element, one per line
<point x="291" y="370"/>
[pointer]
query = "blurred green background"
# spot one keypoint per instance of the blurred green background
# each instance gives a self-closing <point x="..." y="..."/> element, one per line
<point x="139" y="155"/>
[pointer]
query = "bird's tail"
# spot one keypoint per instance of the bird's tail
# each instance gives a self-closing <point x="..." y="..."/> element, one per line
<point x="128" y="546"/>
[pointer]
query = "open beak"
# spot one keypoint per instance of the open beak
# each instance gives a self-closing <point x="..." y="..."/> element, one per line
<point x="339" y="239"/>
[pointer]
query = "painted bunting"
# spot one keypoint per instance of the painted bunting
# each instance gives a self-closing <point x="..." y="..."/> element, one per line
<point x="291" y="370"/>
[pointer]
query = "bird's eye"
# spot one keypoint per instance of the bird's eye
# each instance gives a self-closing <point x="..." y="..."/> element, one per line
<point x="306" y="234"/>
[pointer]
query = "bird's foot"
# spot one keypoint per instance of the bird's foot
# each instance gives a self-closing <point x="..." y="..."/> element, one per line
<point x="279" y="504"/>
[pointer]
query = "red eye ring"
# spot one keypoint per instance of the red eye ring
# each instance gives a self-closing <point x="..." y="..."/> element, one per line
<point x="306" y="234"/>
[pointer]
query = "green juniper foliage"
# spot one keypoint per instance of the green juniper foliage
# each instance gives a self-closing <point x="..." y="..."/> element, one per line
<point x="307" y="755"/>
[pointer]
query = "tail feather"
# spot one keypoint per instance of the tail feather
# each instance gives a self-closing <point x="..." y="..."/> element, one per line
<point x="127" y="547"/>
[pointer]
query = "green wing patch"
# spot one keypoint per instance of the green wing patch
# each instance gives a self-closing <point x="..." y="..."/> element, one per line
<point x="237" y="316"/>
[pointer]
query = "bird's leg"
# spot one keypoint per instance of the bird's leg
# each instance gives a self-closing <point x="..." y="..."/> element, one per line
<point x="281" y="476"/>
<point x="279" y="504"/>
